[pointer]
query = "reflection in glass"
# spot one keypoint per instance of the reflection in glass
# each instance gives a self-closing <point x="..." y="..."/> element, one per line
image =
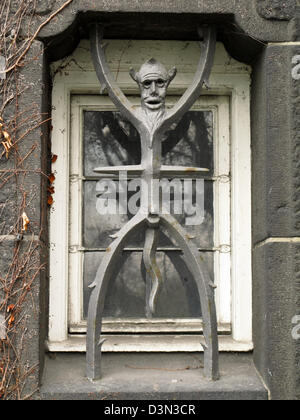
<point x="97" y="228"/>
<point x="190" y="142"/>
<point x="111" y="141"/>
<point x="125" y="297"/>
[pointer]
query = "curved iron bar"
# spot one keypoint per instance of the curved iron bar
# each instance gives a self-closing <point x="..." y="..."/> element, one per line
<point x="206" y="293"/>
<point x="151" y="170"/>
<point x="201" y="77"/>
<point x="153" y="274"/>
<point x="105" y="77"/>
<point x="97" y="298"/>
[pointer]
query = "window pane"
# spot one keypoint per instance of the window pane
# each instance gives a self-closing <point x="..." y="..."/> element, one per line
<point x="197" y="217"/>
<point x="190" y="142"/>
<point x="97" y="227"/>
<point x="111" y="141"/>
<point x="125" y="298"/>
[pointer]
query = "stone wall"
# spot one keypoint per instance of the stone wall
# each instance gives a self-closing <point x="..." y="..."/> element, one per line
<point x="267" y="29"/>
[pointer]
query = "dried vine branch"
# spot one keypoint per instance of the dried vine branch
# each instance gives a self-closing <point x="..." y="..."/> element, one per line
<point x="23" y="266"/>
<point x="25" y="51"/>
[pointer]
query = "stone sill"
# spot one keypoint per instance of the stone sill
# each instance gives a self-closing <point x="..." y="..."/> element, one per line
<point x="157" y="376"/>
<point x="145" y="343"/>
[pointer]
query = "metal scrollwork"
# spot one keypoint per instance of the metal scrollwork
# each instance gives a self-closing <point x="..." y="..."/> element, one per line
<point x="152" y="120"/>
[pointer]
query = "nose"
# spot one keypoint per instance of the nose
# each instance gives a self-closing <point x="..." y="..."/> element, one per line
<point x="153" y="88"/>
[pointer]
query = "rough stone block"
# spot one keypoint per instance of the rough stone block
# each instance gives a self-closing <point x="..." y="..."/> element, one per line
<point x="22" y="274"/>
<point x="276" y="300"/>
<point x="8" y="206"/>
<point x="294" y="25"/>
<point x="276" y="9"/>
<point x="275" y="144"/>
<point x="149" y="376"/>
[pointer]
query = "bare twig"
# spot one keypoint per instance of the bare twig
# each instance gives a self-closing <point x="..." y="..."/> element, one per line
<point x="19" y="276"/>
<point x="33" y="38"/>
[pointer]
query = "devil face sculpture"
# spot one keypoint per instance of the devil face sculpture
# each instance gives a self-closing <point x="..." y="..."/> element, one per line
<point x="153" y="80"/>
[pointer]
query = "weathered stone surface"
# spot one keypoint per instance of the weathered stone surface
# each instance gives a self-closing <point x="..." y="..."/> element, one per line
<point x="294" y="25"/>
<point x="165" y="377"/>
<point x="294" y="29"/>
<point x="276" y="286"/>
<point x="295" y="132"/>
<point x="44" y="6"/>
<point x="241" y="15"/>
<point x="25" y="191"/>
<point x="2" y="326"/>
<point x="276" y="9"/>
<point x="275" y="145"/>
<point x="276" y="155"/>
<point x="7" y="250"/>
<point x="33" y="148"/>
<point x="8" y="205"/>
<point x="29" y="288"/>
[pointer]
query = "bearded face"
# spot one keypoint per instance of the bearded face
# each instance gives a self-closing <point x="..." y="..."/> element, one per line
<point x="153" y="92"/>
<point x="153" y="80"/>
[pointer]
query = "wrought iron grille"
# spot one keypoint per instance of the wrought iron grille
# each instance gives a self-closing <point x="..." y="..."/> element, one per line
<point x="152" y="120"/>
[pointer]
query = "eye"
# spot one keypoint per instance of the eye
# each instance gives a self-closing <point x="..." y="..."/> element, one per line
<point x="147" y="84"/>
<point x="160" y="83"/>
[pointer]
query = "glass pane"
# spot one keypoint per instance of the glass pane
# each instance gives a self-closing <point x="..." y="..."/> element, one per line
<point x="109" y="140"/>
<point x="125" y="297"/>
<point x="190" y="142"/>
<point x="97" y="226"/>
<point x="197" y="216"/>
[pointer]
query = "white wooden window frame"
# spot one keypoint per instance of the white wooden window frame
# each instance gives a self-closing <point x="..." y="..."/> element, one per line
<point x="229" y="79"/>
<point x="219" y="106"/>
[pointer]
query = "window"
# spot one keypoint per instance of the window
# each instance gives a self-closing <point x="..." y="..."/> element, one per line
<point x="88" y="133"/>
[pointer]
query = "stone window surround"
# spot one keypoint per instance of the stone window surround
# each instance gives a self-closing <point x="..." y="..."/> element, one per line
<point x="230" y="80"/>
<point x="275" y="233"/>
